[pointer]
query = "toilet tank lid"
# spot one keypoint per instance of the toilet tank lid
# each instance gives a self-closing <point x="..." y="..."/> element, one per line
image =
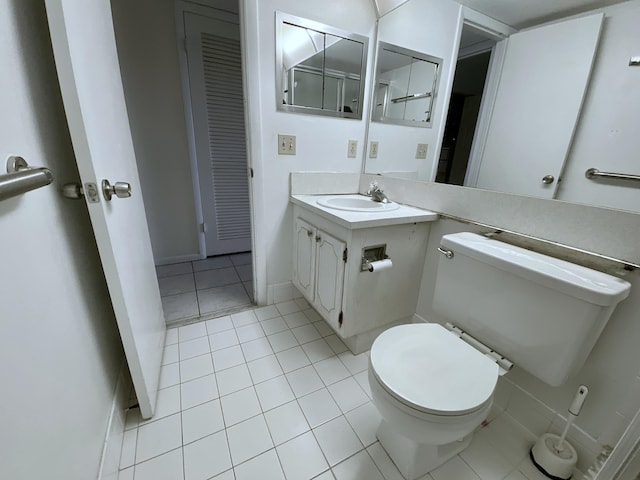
<point x="575" y="280"/>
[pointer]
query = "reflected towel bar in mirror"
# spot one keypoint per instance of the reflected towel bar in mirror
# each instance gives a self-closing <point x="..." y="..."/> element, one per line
<point x="21" y="178"/>
<point x="594" y="174"/>
<point x="415" y="96"/>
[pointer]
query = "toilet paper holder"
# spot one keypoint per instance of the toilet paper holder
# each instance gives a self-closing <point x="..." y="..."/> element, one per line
<point x="373" y="253"/>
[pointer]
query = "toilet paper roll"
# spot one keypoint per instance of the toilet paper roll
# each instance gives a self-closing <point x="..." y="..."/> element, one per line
<point x="380" y="265"/>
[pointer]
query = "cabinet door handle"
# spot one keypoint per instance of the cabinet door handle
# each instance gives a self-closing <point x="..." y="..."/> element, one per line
<point x="318" y="238"/>
<point x="309" y="233"/>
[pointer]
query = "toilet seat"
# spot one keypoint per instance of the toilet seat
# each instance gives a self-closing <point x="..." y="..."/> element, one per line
<point x="429" y="369"/>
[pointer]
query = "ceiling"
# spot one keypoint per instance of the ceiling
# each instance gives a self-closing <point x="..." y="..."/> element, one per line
<point x="524" y="13"/>
<point x="516" y="13"/>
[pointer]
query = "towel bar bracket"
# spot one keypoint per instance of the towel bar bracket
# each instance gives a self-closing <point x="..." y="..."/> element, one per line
<point x="21" y="178"/>
<point x="16" y="164"/>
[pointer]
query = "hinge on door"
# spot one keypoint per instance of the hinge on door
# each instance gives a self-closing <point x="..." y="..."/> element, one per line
<point x="340" y="319"/>
<point x="203" y="227"/>
<point x="251" y="172"/>
<point x="344" y="254"/>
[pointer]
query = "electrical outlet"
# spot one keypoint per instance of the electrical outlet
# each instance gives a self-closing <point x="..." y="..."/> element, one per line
<point x="373" y="150"/>
<point x="286" y="144"/>
<point x="353" y="149"/>
<point x="421" y="151"/>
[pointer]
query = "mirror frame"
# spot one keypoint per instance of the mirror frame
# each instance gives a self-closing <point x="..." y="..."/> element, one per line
<point x="281" y="19"/>
<point x="434" y="89"/>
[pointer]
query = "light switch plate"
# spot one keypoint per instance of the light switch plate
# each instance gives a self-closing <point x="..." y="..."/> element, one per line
<point x="286" y="144"/>
<point x="421" y="151"/>
<point x="373" y="149"/>
<point x="352" y="150"/>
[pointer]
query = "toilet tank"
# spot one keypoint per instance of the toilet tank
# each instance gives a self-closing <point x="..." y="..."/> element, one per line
<point x="542" y="313"/>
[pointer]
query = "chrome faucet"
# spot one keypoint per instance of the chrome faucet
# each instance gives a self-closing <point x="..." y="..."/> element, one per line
<point x="376" y="193"/>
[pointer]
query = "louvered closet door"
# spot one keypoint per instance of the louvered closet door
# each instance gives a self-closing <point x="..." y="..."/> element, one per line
<point x="215" y="82"/>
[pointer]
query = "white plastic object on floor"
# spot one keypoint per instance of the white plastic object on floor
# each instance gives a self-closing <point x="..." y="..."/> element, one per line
<point x="552" y="454"/>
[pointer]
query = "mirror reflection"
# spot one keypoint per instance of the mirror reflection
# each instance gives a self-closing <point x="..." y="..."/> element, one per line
<point x="406" y="83"/>
<point x="320" y="70"/>
<point x="550" y="103"/>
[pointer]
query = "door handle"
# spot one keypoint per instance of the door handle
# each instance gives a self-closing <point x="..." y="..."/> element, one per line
<point x="548" y="179"/>
<point x="119" y="189"/>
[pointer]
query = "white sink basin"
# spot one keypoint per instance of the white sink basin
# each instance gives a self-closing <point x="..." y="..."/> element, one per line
<point x="356" y="203"/>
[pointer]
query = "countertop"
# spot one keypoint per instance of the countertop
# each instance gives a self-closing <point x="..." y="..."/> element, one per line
<point x="355" y="220"/>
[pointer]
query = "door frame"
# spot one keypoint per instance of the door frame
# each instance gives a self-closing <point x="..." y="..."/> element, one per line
<point x="182" y="7"/>
<point x="499" y="32"/>
<point x="211" y="8"/>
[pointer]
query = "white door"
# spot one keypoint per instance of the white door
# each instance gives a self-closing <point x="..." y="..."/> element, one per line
<point x="542" y="84"/>
<point x="217" y="106"/>
<point x="89" y="75"/>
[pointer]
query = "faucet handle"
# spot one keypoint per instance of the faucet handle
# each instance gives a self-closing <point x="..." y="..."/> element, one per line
<point x="373" y="187"/>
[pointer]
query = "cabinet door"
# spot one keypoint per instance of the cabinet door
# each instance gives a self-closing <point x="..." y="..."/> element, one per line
<point x="329" y="277"/>
<point x="304" y="253"/>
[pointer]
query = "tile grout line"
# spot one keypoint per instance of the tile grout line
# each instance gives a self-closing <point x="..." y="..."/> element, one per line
<point x="513" y="467"/>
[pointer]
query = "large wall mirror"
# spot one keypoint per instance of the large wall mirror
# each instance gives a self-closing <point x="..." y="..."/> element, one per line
<point x="406" y="84"/>
<point x="562" y="100"/>
<point x="320" y="70"/>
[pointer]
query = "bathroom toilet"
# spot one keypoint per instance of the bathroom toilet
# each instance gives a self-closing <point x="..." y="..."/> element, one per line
<point x="432" y="391"/>
<point x="433" y="385"/>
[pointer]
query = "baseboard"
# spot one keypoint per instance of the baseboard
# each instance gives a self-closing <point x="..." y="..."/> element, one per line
<point x="178" y="259"/>
<point x="282" y="292"/>
<point x="418" y="319"/>
<point x="112" y="448"/>
<point x="362" y="342"/>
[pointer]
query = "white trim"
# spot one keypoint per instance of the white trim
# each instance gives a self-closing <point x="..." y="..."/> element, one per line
<point x="192" y="257"/>
<point x="249" y="29"/>
<point x="446" y="86"/>
<point x="180" y="8"/>
<point x="498" y="32"/>
<point x="623" y="452"/>
<point x="476" y="49"/>
<point x="493" y="28"/>
<point x="418" y="319"/>
<point x="486" y="111"/>
<point x="282" y="292"/>
<point x="112" y="447"/>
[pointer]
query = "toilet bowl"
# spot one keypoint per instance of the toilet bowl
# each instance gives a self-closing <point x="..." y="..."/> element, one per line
<point x="432" y="390"/>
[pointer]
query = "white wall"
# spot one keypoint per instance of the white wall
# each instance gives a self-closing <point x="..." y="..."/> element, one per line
<point x="611" y="371"/>
<point x="437" y="36"/>
<point x="321" y="141"/>
<point x="608" y="128"/>
<point x="60" y="353"/>
<point x="147" y="50"/>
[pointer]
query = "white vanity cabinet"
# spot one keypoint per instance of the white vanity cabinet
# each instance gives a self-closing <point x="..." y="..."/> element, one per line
<point x="318" y="269"/>
<point x="327" y="267"/>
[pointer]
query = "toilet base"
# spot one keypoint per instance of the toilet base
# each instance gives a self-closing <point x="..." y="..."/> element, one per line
<point x="416" y="459"/>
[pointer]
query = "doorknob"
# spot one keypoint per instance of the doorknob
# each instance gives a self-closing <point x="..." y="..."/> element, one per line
<point x="119" y="189"/>
<point x="547" y="179"/>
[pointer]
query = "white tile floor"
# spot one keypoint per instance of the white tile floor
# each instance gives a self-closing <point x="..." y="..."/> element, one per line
<point x="272" y="393"/>
<point x="206" y="288"/>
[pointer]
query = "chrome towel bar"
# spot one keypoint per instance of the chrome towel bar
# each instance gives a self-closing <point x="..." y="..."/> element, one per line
<point x="597" y="261"/>
<point x="594" y="174"/>
<point x="21" y="178"/>
<point x="415" y="96"/>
